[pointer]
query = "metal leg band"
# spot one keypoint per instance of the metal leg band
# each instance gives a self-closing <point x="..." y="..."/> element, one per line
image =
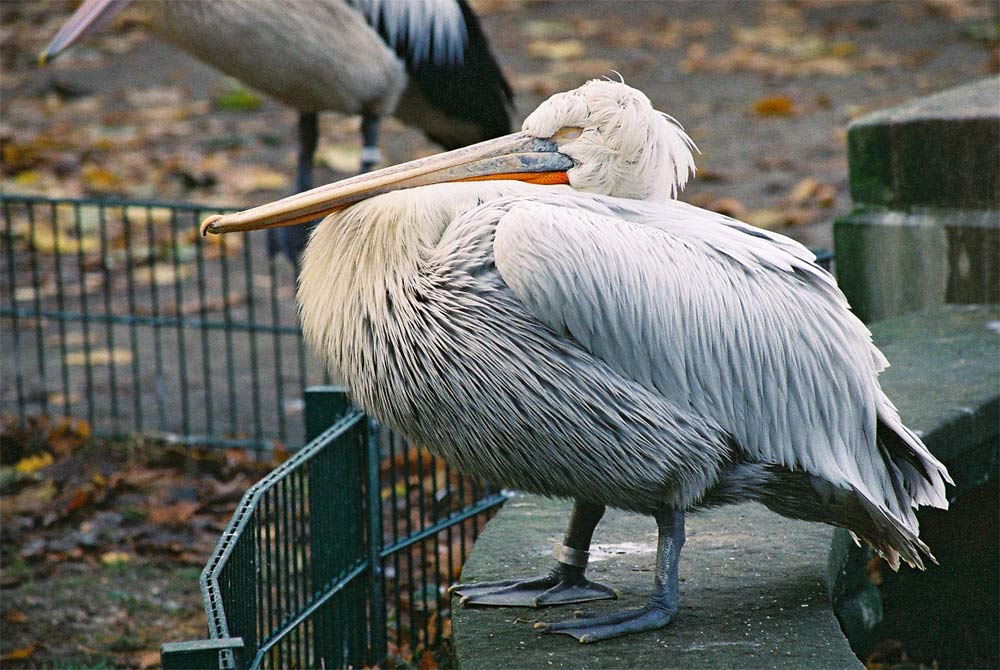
<point x="570" y="556"/>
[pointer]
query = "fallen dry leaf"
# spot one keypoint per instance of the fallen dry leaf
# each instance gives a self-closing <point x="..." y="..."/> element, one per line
<point x="78" y="500"/>
<point x="115" y="557"/>
<point x="174" y="515"/>
<point x="21" y="654"/>
<point x="99" y="357"/>
<point x="769" y="219"/>
<point x="15" y="616"/>
<point x="340" y="157"/>
<point x="427" y="661"/>
<point x="557" y="50"/>
<point x="47" y="242"/>
<point x="68" y="435"/>
<point x="31" y="464"/>
<point x="149" y="659"/>
<point x="774" y="105"/>
<point x="803" y="191"/>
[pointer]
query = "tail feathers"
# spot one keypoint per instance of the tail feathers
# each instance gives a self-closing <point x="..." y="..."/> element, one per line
<point x="892" y="538"/>
<point x="917" y="477"/>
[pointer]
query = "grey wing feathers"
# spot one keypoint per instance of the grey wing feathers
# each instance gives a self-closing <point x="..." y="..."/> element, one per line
<point x="737" y="323"/>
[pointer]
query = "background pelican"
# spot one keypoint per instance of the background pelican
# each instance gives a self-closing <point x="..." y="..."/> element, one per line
<point x="586" y="336"/>
<point x="426" y="62"/>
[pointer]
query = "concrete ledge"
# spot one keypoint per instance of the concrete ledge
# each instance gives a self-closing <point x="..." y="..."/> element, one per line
<point x="753" y="593"/>
<point x="943" y="379"/>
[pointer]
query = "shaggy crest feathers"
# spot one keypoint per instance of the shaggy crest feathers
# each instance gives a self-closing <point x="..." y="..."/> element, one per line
<point x="434" y="30"/>
<point x="627" y="149"/>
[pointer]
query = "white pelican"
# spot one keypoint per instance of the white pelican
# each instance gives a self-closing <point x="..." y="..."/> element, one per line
<point x="587" y="336"/>
<point x="426" y="62"/>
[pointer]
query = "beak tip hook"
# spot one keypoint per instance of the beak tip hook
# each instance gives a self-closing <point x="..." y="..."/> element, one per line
<point x="207" y="226"/>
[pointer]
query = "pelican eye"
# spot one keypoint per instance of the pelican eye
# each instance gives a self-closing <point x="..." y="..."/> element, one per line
<point x="567" y="133"/>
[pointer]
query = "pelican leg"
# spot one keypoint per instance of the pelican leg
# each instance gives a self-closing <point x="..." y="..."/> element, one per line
<point x="370" y="154"/>
<point x="564" y="584"/>
<point x="663" y="604"/>
<point x="291" y="240"/>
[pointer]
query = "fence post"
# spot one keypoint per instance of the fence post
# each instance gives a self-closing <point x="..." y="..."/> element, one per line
<point x="376" y="576"/>
<point x="324" y="405"/>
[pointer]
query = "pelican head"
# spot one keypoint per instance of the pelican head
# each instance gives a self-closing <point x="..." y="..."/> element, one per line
<point x="620" y="145"/>
<point x="603" y="137"/>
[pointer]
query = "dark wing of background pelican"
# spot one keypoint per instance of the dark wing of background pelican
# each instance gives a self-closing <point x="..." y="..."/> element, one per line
<point x="455" y="97"/>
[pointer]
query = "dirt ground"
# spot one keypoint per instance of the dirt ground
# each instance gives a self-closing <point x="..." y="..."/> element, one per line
<point x="766" y="89"/>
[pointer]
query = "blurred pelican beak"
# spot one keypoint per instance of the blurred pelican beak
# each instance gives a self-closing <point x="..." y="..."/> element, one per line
<point x="89" y="17"/>
<point x="517" y="156"/>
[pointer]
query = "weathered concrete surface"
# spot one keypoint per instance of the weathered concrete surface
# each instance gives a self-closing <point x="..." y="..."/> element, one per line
<point x="752" y="593"/>
<point x="891" y="263"/>
<point x="925" y="179"/>
<point x="944" y="380"/>
<point x="941" y="150"/>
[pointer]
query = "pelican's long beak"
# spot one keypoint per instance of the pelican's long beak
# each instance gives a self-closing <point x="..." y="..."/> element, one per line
<point x="518" y="156"/>
<point x="89" y="17"/>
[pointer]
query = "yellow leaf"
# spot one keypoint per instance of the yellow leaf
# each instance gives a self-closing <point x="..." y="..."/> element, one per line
<point x="768" y="219"/>
<point x="259" y="179"/>
<point x="99" y="357"/>
<point x="27" y="178"/>
<point x="774" y="105"/>
<point x="340" y="157"/>
<point x="100" y="179"/>
<point x="21" y="654"/>
<point x="30" y="464"/>
<point x="115" y="557"/>
<point x="557" y="50"/>
<point x="48" y="242"/>
<point x="802" y="191"/>
<point x="164" y="274"/>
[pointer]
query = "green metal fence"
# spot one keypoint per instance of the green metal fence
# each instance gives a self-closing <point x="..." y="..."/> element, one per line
<point x="334" y="555"/>
<point x="119" y="313"/>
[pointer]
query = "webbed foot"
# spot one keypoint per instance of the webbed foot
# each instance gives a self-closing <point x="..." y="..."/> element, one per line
<point x="559" y="587"/>
<point x="592" y="628"/>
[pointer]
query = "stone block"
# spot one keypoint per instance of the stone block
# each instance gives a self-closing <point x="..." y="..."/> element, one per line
<point x="925" y="178"/>
<point x="942" y="150"/>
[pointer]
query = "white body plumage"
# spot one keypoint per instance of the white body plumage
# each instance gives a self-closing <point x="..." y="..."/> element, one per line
<point x="633" y="352"/>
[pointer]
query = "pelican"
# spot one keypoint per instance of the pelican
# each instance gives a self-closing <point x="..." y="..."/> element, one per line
<point x="542" y="312"/>
<point x="425" y="61"/>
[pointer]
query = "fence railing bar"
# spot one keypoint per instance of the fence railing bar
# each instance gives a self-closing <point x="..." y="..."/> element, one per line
<point x="227" y="322"/>
<point x="181" y="332"/>
<point x="109" y="331"/>
<point x="342" y="583"/>
<point x="132" y="327"/>
<point x="37" y="299"/>
<point x="376" y="574"/>
<point x="252" y="318"/>
<point x="453" y="519"/>
<point x="159" y="388"/>
<point x="113" y="202"/>
<point x="85" y="309"/>
<point x="140" y="320"/>
<point x="206" y="356"/>
<point x="421" y="547"/>
<point x="16" y="329"/>
<point x="279" y="386"/>
<point x="250" y="499"/>
<point x="61" y="303"/>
